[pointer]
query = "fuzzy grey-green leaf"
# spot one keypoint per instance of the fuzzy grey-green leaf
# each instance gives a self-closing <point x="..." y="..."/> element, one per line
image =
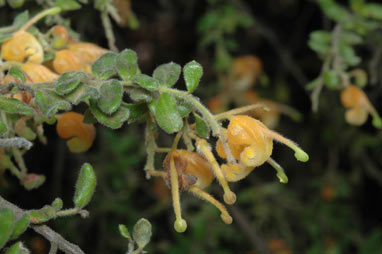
<point x="127" y="64"/>
<point x="137" y="111"/>
<point x="6" y="225"/>
<point x="85" y="186"/>
<point x="20" y="226"/>
<point x="17" y="73"/>
<point x="146" y="82"/>
<point x="201" y="126"/>
<point x="104" y="67"/>
<point x="124" y="231"/>
<point x="17" y="248"/>
<point x="111" y="96"/>
<point x="192" y="73"/>
<point x="167" y="74"/>
<point x="166" y="113"/>
<point x="113" y="121"/>
<point x="69" y="81"/>
<point x="50" y="103"/>
<point x="42" y="215"/>
<point x="15" y="106"/>
<point x="82" y="93"/>
<point x="142" y="232"/>
<point x="3" y="128"/>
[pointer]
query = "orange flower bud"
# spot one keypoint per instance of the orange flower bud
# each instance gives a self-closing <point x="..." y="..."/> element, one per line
<point x="67" y="60"/>
<point x="22" y="46"/>
<point x="38" y="73"/>
<point x="71" y="125"/>
<point x="352" y="96"/>
<point x="87" y="52"/>
<point x="192" y="169"/>
<point x="245" y="71"/>
<point x="60" y="36"/>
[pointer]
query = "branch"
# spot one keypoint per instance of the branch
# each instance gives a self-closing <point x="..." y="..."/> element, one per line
<point x="47" y="232"/>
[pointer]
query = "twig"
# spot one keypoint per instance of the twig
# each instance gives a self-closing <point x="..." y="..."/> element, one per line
<point x="44" y="230"/>
<point x="108" y="31"/>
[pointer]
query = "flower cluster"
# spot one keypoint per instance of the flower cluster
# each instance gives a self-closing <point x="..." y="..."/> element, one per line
<point x="247" y="144"/>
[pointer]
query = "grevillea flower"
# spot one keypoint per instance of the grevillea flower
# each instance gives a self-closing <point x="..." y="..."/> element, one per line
<point x="358" y="107"/>
<point x="22" y="47"/>
<point x="251" y="143"/>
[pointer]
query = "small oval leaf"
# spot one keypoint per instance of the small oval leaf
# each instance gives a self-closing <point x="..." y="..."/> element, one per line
<point x="124" y="231"/>
<point x="142" y="232"/>
<point x="111" y="96"/>
<point x="85" y="186"/>
<point x="50" y="103"/>
<point x="17" y="248"/>
<point x="166" y="113"/>
<point x="192" y="73"/>
<point x="17" y="73"/>
<point x="42" y="215"/>
<point x="167" y="74"/>
<point x="6" y="225"/>
<point x="20" y="226"/>
<point x="3" y="128"/>
<point x="15" y="106"/>
<point x="113" y="121"/>
<point x="104" y="67"/>
<point x="127" y="64"/>
<point x="146" y="82"/>
<point x="69" y="81"/>
<point x="201" y="126"/>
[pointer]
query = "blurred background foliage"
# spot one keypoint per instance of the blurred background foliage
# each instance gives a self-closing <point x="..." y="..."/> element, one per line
<point x="330" y="205"/>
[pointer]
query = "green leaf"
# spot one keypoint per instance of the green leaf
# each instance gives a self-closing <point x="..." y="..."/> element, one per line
<point x="372" y="10"/>
<point x="17" y="248"/>
<point x="42" y="215"/>
<point x="3" y="128"/>
<point x="356" y="5"/>
<point x="184" y="108"/>
<point x="6" y="225"/>
<point x="350" y="38"/>
<point x="69" y="81"/>
<point x="348" y="55"/>
<point x="21" y="19"/>
<point x="192" y="73"/>
<point x="82" y="93"/>
<point x="113" y="121"/>
<point x="104" y="67"/>
<point x="57" y="204"/>
<point x="137" y="111"/>
<point x="111" y="96"/>
<point x="50" y="103"/>
<point x="4" y="37"/>
<point x="124" y="231"/>
<point x="85" y="186"/>
<point x="146" y="82"/>
<point x="140" y="95"/>
<point x="319" y="41"/>
<point x="68" y="5"/>
<point x="88" y="117"/>
<point x="166" y="113"/>
<point x="142" y="232"/>
<point x="167" y="74"/>
<point x="14" y="106"/>
<point x="17" y="73"/>
<point x="127" y="64"/>
<point x="331" y="79"/>
<point x="201" y="126"/>
<point x="334" y="11"/>
<point x="20" y="226"/>
<point x="15" y="3"/>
